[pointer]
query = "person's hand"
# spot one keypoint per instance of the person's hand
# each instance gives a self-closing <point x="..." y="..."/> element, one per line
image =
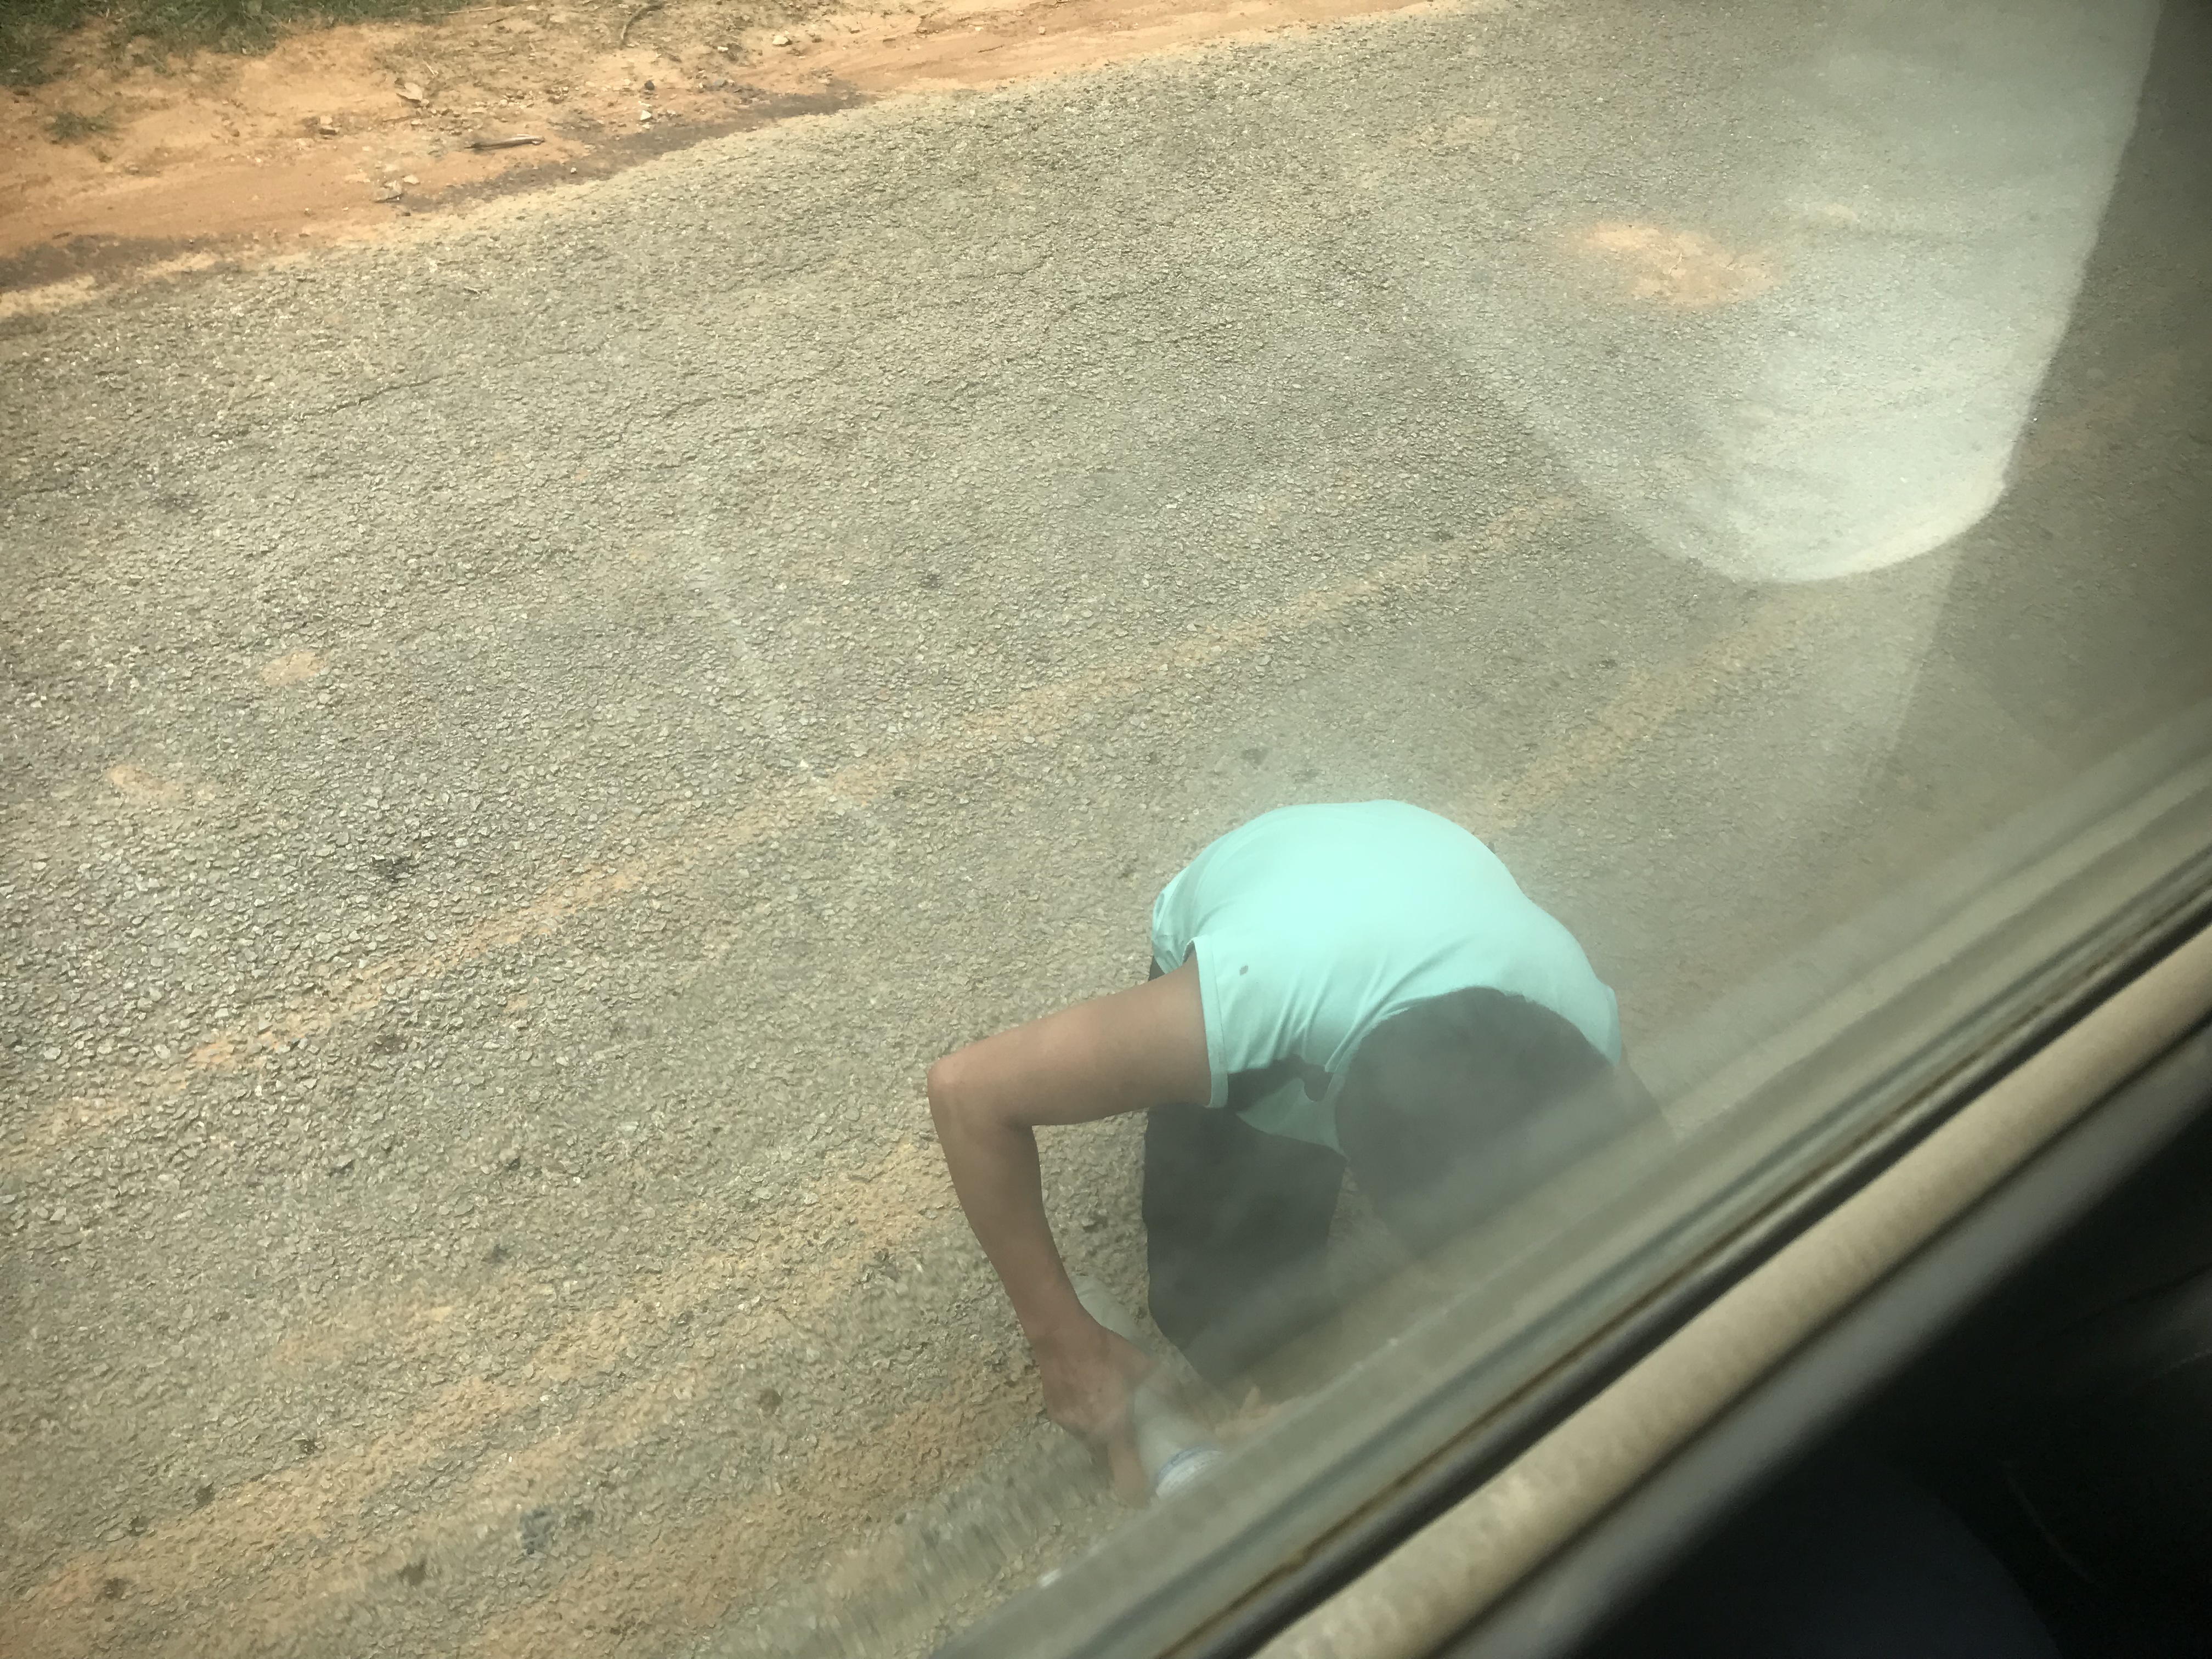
<point x="1090" y="1378"/>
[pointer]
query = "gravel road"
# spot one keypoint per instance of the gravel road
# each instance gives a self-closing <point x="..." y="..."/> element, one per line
<point x="524" y="741"/>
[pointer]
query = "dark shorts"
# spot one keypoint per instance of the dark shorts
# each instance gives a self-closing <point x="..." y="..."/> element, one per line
<point x="1236" y="1225"/>
<point x="1236" y="1220"/>
<point x="1235" y="1237"/>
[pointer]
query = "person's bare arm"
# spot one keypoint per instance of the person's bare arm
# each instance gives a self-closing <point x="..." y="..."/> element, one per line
<point x="1128" y="1052"/>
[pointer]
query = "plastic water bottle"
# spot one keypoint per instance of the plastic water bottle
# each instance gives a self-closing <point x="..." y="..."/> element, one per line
<point x="1173" y="1449"/>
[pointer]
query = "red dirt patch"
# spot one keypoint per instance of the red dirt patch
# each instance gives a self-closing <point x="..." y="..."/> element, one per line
<point x="343" y="133"/>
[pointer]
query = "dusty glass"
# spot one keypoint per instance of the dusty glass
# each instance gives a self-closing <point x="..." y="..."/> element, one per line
<point x="530" y="732"/>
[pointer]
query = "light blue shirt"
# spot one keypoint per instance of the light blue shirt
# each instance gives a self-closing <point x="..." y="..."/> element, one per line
<point x="1313" y="925"/>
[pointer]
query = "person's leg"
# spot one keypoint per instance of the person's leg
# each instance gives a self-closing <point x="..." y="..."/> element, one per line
<point x="1236" y="1237"/>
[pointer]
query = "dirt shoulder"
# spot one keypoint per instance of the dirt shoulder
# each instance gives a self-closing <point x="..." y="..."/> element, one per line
<point x="349" y="132"/>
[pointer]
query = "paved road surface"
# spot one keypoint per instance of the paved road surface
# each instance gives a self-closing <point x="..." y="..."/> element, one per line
<point x="524" y="743"/>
